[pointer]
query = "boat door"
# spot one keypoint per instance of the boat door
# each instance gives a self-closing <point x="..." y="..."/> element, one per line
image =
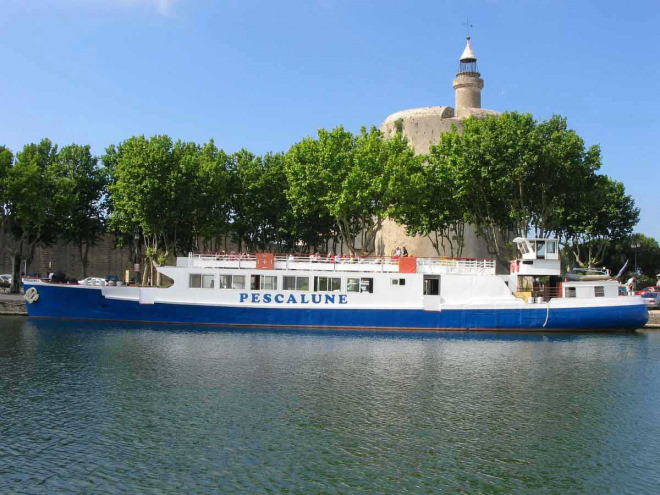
<point x="432" y="292"/>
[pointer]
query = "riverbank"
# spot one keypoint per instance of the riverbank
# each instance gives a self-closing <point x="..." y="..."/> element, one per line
<point x="14" y="305"/>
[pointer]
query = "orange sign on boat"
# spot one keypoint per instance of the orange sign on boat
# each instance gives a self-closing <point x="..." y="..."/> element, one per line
<point x="265" y="261"/>
<point x="408" y="265"/>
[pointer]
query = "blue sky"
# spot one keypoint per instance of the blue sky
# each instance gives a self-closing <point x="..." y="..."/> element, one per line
<point x="262" y="75"/>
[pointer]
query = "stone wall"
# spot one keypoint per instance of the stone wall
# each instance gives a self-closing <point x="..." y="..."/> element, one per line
<point x="104" y="259"/>
<point x="392" y="234"/>
<point x="423" y="127"/>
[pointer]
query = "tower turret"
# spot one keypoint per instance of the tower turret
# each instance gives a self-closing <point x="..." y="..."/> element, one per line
<point x="468" y="83"/>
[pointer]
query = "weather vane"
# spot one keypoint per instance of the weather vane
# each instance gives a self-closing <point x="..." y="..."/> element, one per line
<point x="467" y="26"/>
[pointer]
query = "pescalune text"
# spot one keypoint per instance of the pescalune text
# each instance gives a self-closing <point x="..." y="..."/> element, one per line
<point x="280" y="298"/>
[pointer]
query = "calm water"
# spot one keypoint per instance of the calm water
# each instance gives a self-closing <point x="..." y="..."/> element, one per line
<point x="105" y="409"/>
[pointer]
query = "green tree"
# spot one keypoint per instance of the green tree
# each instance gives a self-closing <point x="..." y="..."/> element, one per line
<point x="476" y="165"/>
<point x="604" y="213"/>
<point x="356" y="180"/>
<point x="212" y="213"/>
<point x="561" y="170"/>
<point x="637" y="249"/>
<point x="513" y="176"/>
<point x="79" y="197"/>
<point x="260" y="204"/>
<point x="6" y="162"/>
<point x="29" y="207"/>
<point x="433" y="209"/>
<point x="153" y="195"/>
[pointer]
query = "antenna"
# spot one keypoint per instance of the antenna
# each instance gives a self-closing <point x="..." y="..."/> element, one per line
<point x="468" y="26"/>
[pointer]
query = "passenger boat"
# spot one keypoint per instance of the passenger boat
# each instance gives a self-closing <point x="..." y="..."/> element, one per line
<point x="365" y="293"/>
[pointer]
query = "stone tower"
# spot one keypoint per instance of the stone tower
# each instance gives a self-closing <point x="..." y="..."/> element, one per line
<point x="423" y="126"/>
<point x="468" y="83"/>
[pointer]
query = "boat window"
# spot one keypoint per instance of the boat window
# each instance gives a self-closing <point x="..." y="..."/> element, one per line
<point x="208" y="281"/>
<point x="431" y="286"/>
<point x="570" y="292"/>
<point x="238" y="282"/>
<point x="232" y="282"/>
<point x="551" y="247"/>
<point x="268" y="282"/>
<point x="599" y="291"/>
<point x="540" y="249"/>
<point x="398" y="281"/>
<point x="367" y="285"/>
<point x="225" y="282"/>
<point x="295" y="283"/>
<point x="288" y="283"/>
<point x="263" y="282"/>
<point x="195" y="281"/>
<point x="352" y="285"/>
<point x="327" y="284"/>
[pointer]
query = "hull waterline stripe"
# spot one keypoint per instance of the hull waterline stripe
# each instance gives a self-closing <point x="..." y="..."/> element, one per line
<point x="343" y="327"/>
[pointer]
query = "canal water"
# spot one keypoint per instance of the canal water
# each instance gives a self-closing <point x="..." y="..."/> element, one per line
<point x="103" y="408"/>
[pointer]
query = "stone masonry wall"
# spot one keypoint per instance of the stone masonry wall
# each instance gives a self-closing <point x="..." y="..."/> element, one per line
<point x="104" y="259"/>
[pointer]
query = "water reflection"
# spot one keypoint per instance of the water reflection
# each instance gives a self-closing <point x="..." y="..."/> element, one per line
<point x="86" y="327"/>
<point x="104" y="407"/>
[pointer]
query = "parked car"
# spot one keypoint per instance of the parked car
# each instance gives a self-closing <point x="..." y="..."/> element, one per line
<point x="5" y="278"/>
<point x="92" y="281"/>
<point x="647" y="289"/>
<point x="652" y="300"/>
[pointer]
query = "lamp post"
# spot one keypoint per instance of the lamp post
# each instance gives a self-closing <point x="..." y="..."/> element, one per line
<point x="136" y="263"/>
<point x="635" y="245"/>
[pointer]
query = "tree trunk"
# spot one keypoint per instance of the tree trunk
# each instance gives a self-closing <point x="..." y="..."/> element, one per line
<point x="15" y="286"/>
<point x="83" y="251"/>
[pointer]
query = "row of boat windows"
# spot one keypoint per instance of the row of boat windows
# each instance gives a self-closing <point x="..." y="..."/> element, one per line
<point x="599" y="291"/>
<point x="541" y="247"/>
<point x="270" y="282"/>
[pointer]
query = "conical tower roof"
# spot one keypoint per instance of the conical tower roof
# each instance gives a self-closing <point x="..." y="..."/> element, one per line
<point x="468" y="63"/>
<point x="468" y="54"/>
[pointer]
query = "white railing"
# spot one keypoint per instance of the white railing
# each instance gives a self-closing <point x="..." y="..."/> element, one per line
<point x="455" y="266"/>
<point x="435" y="266"/>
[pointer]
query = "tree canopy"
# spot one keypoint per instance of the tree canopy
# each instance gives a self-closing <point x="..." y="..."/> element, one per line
<point x="506" y="176"/>
<point x="29" y="203"/>
<point x="356" y="180"/>
<point x="513" y="176"/>
<point x="80" y="188"/>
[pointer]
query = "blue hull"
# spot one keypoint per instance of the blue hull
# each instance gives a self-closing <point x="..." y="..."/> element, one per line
<point x="73" y="303"/>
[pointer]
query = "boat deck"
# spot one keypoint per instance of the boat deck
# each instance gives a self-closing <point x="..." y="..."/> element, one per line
<point x="374" y="264"/>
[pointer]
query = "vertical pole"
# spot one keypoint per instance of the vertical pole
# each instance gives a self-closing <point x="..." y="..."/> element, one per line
<point x="636" y="246"/>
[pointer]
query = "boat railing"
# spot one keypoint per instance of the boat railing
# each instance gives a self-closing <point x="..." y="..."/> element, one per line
<point x="456" y="266"/>
<point x="340" y="263"/>
<point x="546" y="293"/>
